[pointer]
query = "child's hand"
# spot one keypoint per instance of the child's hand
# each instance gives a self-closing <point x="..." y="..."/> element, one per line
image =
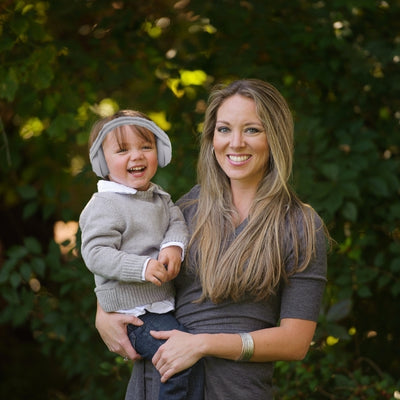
<point x="171" y="257"/>
<point x="156" y="272"/>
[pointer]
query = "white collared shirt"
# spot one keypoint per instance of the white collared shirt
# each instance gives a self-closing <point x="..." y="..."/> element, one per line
<point x="159" y="307"/>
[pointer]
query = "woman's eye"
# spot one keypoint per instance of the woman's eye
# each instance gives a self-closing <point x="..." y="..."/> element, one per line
<point x="223" y="129"/>
<point x="252" y="130"/>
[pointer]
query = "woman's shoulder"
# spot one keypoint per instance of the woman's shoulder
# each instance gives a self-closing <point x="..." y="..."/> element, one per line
<point x="301" y="212"/>
<point x="302" y="224"/>
<point x="192" y="194"/>
<point x="188" y="203"/>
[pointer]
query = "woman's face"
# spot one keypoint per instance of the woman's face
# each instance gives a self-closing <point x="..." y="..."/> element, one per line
<point x="240" y="141"/>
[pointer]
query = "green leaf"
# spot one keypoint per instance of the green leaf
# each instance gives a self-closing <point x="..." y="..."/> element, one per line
<point x="48" y="211"/>
<point x="379" y="259"/>
<point x="65" y="289"/>
<point x="331" y="171"/>
<point x="27" y="192"/>
<point x="364" y="292"/>
<point x="349" y="211"/>
<point x="25" y="271"/>
<point x="42" y="76"/>
<point x="395" y="289"/>
<point x="6" y="269"/>
<point x="15" y="279"/>
<point x="61" y="125"/>
<point x="378" y="187"/>
<point x="17" y="252"/>
<point x="33" y="245"/>
<point x="6" y="44"/>
<point x="8" y="84"/>
<point x="343" y="381"/>
<point x="395" y="265"/>
<point x="19" y="25"/>
<point x="350" y="189"/>
<point x="38" y="266"/>
<point x="10" y="295"/>
<point x="30" y="209"/>
<point x="383" y="280"/>
<point x="339" y="310"/>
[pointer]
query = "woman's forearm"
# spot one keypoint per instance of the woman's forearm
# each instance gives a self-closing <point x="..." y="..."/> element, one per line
<point x="289" y="341"/>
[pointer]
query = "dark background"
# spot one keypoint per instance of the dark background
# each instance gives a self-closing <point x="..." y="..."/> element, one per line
<point x="63" y="64"/>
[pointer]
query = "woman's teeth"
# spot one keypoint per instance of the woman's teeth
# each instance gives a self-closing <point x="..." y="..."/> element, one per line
<point x="238" y="158"/>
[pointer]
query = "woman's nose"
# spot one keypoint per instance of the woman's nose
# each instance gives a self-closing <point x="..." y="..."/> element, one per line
<point x="237" y="139"/>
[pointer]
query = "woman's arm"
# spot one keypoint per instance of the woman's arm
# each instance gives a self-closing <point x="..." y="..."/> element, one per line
<point x="289" y="341"/>
<point x="112" y="330"/>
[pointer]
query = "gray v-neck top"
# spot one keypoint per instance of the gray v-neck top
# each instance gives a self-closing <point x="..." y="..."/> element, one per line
<point x="225" y="379"/>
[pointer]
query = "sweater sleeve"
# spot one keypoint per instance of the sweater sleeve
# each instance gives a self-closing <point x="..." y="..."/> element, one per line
<point x="102" y="227"/>
<point x="177" y="230"/>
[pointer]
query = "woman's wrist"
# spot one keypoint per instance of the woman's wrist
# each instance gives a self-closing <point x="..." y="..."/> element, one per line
<point x="226" y="345"/>
<point x="247" y="347"/>
<point x="204" y="344"/>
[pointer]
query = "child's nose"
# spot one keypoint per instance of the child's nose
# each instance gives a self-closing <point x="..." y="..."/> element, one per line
<point x="136" y="154"/>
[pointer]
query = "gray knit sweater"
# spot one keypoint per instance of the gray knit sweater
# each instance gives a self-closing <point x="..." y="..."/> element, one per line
<point x="120" y="231"/>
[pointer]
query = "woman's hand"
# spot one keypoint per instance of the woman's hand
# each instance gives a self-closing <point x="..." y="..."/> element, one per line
<point x="180" y="352"/>
<point x="112" y="329"/>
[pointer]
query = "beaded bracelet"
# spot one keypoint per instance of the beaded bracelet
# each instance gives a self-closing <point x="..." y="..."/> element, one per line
<point x="247" y="347"/>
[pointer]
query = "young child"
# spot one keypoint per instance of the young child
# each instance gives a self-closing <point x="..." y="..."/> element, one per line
<point x="133" y="236"/>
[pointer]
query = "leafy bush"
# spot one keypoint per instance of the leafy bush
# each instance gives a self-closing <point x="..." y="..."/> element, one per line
<point x="64" y="64"/>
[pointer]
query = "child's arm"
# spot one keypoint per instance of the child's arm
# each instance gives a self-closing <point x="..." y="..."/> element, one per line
<point x="177" y="234"/>
<point x="156" y="272"/>
<point x="176" y="238"/>
<point x="171" y="257"/>
<point x="101" y="243"/>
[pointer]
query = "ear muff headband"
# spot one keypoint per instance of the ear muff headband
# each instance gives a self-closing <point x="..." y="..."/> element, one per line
<point x="96" y="154"/>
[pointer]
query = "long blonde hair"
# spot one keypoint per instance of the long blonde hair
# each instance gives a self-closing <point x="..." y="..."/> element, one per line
<point x="254" y="262"/>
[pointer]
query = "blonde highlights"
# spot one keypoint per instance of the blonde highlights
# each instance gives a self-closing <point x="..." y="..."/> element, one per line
<point x="278" y="225"/>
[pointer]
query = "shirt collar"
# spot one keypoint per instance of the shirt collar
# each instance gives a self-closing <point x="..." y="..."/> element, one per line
<point x="109" y="186"/>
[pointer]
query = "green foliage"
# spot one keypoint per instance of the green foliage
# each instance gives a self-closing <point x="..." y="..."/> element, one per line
<point x="64" y="64"/>
<point x="333" y="374"/>
<point x="54" y="294"/>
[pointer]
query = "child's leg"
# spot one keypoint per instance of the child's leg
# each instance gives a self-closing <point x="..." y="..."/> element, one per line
<point x="180" y="385"/>
<point x="140" y="336"/>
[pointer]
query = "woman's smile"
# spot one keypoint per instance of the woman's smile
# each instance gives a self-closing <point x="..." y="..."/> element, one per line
<point x="238" y="159"/>
<point x="240" y="141"/>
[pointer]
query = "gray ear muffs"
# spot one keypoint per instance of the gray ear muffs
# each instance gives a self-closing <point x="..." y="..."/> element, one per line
<point x="96" y="154"/>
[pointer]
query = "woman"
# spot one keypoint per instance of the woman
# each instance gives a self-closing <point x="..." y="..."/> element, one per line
<point x="255" y="272"/>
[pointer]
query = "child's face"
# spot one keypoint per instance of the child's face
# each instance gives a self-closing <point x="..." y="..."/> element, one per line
<point x="131" y="159"/>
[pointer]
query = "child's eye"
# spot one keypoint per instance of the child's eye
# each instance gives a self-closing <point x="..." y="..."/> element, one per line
<point x="147" y="147"/>
<point x="122" y="150"/>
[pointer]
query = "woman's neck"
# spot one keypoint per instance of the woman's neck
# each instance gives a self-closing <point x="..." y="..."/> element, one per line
<point x="243" y="197"/>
